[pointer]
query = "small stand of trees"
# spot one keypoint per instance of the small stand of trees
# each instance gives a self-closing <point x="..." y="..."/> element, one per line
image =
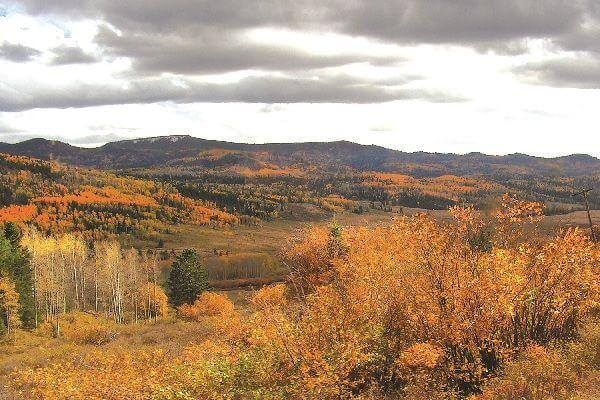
<point x="68" y="275"/>
<point x="43" y="278"/>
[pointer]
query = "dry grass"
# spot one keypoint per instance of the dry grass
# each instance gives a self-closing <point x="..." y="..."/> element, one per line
<point x="268" y="237"/>
<point x="172" y="335"/>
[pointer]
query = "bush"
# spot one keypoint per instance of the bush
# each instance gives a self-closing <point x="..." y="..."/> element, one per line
<point x="208" y="304"/>
<point x="539" y="374"/>
<point x="269" y="297"/>
<point x="81" y="328"/>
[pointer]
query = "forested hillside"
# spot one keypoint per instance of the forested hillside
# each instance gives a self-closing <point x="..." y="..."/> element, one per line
<point x="183" y="150"/>
<point x="57" y="198"/>
<point x="258" y="180"/>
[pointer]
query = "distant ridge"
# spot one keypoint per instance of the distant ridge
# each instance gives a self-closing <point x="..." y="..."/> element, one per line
<point x="177" y="150"/>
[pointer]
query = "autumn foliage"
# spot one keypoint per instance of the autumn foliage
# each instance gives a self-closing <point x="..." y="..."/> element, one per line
<point x="418" y="309"/>
<point x="207" y="305"/>
<point x="58" y="199"/>
<point x="9" y="305"/>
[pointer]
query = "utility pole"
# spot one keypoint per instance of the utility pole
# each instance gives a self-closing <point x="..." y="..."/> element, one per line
<point x="584" y="193"/>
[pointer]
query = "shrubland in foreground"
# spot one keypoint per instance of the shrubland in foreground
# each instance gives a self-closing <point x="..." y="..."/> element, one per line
<point x="477" y="307"/>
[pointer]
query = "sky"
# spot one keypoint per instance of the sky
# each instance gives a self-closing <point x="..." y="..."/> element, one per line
<point x="494" y="76"/>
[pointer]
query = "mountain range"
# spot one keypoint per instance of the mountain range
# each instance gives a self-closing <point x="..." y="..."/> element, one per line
<point x="187" y="151"/>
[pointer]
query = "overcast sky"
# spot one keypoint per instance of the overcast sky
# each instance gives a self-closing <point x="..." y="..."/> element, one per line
<point x="496" y="76"/>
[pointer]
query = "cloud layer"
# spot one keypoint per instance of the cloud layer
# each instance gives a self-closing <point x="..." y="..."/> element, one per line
<point x="508" y="62"/>
<point x="194" y="38"/>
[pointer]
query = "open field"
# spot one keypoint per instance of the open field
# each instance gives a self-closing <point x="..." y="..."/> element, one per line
<point x="264" y="238"/>
<point x="269" y="236"/>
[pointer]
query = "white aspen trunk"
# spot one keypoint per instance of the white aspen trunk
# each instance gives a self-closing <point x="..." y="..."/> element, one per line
<point x="154" y="288"/>
<point x="95" y="289"/>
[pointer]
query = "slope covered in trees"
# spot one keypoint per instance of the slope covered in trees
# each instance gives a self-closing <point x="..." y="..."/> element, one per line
<point x="254" y="178"/>
<point x="56" y="198"/>
<point x="183" y="150"/>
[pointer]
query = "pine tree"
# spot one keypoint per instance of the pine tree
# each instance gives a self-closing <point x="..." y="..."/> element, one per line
<point x="188" y="278"/>
<point x="14" y="265"/>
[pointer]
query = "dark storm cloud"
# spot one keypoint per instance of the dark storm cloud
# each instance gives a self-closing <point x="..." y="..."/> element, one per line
<point x="460" y="21"/>
<point x="17" y="52"/>
<point x="580" y="67"/>
<point x="196" y="37"/>
<point x="248" y="90"/>
<point x="585" y="36"/>
<point x="64" y="55"/>
<point x="566" y="72"/>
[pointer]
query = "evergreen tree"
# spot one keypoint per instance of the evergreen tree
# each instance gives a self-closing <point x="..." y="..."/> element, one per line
<point x="14" y="265"/>
<point x="188" y="278"/>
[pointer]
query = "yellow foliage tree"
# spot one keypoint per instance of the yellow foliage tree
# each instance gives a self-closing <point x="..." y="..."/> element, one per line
<point x="9" y="304"/>
<point x="152" y="301"/>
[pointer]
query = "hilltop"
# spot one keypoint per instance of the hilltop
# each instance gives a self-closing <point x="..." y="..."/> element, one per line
<point x="266" y="181"/>
<point x="184" y="150"/>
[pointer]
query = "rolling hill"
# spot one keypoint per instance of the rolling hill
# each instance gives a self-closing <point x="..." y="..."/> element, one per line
<point x="184" y="150"/>
<point x="257" y="180"/>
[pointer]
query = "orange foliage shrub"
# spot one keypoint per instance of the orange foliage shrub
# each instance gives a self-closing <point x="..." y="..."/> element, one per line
<point x="383" y="293"/>
<point x="421" y="355"/>
<point x="208" y="304"/>
<point x="539" y="374"/>
<point x="81" y="328"/>
<point x="100" y="376"/>
<point x="270" y="297"/>
<point x="310" y="260"/>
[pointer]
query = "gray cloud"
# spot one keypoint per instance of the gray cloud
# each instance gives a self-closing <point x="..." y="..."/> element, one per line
<point x="565" y="72"/>
<point x="249" y="90"/>
<point x="17" y="52"/>
<point x="580" y="65"/>
<point x="434" y="21"/>
<point x="209" y="51"/>
<point x="64" y="55"/>
<point x="583" y="36"/>
<point x="460" y="21"/>
<point x="195" y="37"/>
